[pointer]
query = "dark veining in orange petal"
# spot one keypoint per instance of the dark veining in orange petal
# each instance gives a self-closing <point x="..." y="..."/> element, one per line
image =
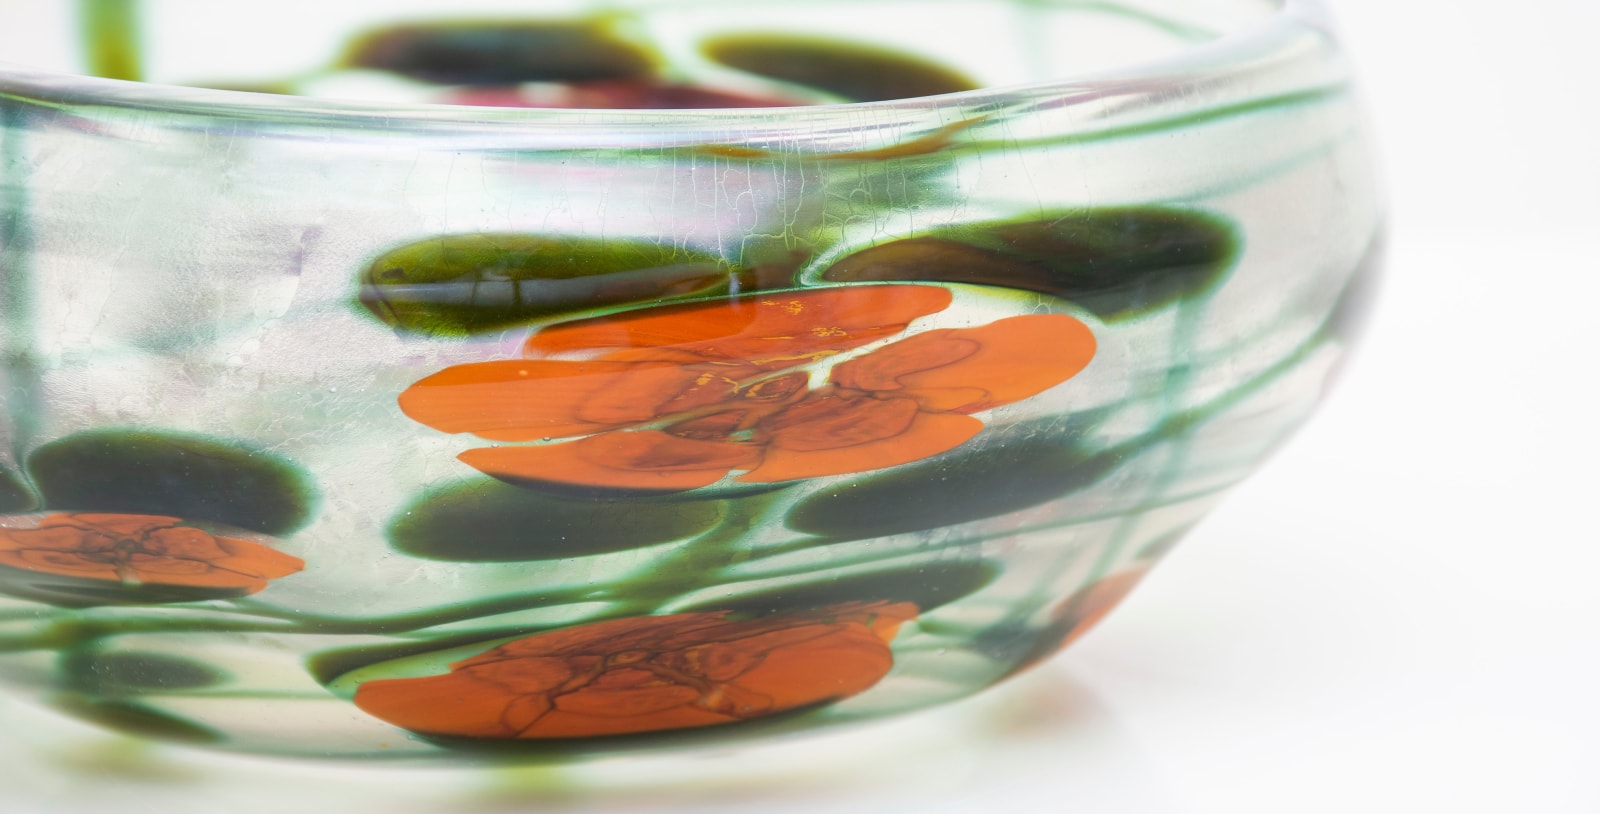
<point x="645" y="459"/>
<point x="991" y="365"/>
<point x="647" y="674"/>
<point x="680" y="397"/>
<point x="763" y="330"/>
<point x="828" y="421"/>
<point x="526" y="400"/>
<point x="142" y="549"/>
<point x="928" y="434"/>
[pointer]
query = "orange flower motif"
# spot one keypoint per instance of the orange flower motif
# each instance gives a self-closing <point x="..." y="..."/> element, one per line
<point x="647" y="674"/>
<point x="679" y="397"/>
<point x="141" y="549"/>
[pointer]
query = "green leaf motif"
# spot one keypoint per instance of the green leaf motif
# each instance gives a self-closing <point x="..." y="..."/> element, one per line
<point x="499" y="52"/>
<point x="171" y="474"/>
<point x="14" y="494"/>
<point x="111" y="674"/>
<point x="1118" y="263"/>
<point x="859" y="73"/>
<point x="460" y="285"/>
<point x="1018" y="646"/>
<point x="485" y="520"/>
<point x="1006" y="475"/>
<point x="1021" y="646"/>
<point x="139" y="720"/>
<point x="928" y="586"/>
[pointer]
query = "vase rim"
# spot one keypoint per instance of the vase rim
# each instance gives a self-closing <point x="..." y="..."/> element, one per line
<point x="1266" y="43"/>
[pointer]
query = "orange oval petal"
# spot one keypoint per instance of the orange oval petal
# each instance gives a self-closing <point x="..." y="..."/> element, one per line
<point x="47" y="537"/>
<point x="843" y="662"/>
<point x="646" y="459"/>
<point x="113" y="525"/>
<point x="165" y="569"/>
<point x="827" y="421"/>
<point x="768" y="330"/>
<point x="565" y="723"/>
<point x="449" y="704"/>
<point x="927" y="434"/>
<point x="182" y="543"/>
<point x="648" y="674"/>
<point x="527" y="400"/>
<point x="64" y="563"/>
<point x="637" y="694"/>
<point x="149" y="549"/>
<point x="255" y="560"/>
<point x="880" y="371"/>
<point x="969" y="370"/>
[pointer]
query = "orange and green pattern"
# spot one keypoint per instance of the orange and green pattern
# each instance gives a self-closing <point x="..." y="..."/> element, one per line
<point x="767" y="386"/>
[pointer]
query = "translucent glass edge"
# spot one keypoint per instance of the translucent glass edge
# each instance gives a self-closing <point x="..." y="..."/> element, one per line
<point x="1201" y="64"/>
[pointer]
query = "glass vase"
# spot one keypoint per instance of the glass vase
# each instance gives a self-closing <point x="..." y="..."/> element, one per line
<point x="538" y="380"/>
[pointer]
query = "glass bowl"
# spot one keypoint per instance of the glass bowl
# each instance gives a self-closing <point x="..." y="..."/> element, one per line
<point x="510" y="380"/>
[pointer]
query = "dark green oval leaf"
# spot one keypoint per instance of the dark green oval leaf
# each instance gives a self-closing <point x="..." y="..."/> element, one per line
<point x="928" y="586"/>
<point x="15" y="496"/>
<point x="499" y="53"/>
<point x="1118" y="263"/>
<point x="121" y="672"/>
<point x="1019" y="646"/>
<point x="859" y="73"/>
<point x="489" y="521"/>
<point x="459" y="285"/>
<point x="159" y="473"/>
<point x="1003" y="477"/>
<point x="136" y="719"/>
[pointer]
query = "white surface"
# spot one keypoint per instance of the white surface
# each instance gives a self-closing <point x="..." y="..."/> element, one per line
<point x="1399" y="614"/>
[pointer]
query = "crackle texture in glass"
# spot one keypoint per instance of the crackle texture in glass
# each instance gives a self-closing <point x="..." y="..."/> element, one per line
<point x="521" y="380"/>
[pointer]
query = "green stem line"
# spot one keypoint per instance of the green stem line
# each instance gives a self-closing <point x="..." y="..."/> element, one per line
<point x="1179" y="377"/>
<point x="687" y="569"/>
<point x="281" y="695"/>
<point x="1158" y="126"/>
<point x="1185" y="31"/>
<point x="68" y="633"/>
<point x="1178" y="424"/>
<point x="1193" y="417"/>
<point x="431" y="617"/>
<point x="964" y="542"/>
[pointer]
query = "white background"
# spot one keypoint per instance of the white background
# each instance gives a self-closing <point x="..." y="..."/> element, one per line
<point x="1399" y="614"/>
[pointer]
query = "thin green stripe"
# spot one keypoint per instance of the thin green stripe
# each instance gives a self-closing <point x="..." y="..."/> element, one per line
<point x="1295" y="99"/>
<point x="1187" y="31"/>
